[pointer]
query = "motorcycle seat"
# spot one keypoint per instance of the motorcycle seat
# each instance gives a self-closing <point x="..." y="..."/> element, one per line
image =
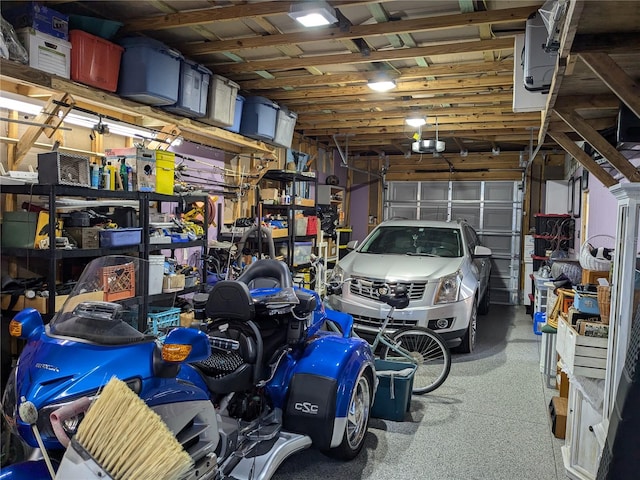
<point x="266" y="273"/>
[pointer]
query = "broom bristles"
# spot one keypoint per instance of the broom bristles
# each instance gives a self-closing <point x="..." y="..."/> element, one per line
<point x="128" y="439"/>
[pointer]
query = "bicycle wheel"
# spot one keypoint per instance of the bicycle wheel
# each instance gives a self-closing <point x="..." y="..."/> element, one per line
<point x="427" y="350"/>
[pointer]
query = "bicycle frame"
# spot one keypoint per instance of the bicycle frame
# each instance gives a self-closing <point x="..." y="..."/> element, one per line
<point x="382" y="338"/>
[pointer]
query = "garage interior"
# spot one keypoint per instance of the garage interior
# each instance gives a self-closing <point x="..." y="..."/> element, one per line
<point x="487" y="149"/>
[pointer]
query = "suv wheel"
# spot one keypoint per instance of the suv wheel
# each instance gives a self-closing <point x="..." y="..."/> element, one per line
<point x="469" y="338"/>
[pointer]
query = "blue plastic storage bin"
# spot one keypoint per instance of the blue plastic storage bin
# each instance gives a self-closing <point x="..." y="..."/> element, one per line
<point x="120" y="237"/>
<point x="149" y="71"/>
<point x="237" y="115"/>
<point x="286" y="122"/>
<point x="259" y="116"/>
<point x="193" y="91"/>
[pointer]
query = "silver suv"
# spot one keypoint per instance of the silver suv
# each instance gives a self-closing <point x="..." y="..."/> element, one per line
<point x="443" y="266"/>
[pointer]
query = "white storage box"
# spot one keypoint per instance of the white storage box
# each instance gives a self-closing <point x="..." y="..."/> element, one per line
<point x="582" y="355"/>
<point x="222" y="101"/>
<point x="46" y="52"/>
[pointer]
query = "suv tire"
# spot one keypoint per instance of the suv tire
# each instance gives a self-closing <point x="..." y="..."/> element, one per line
<point x="485" y="303"/>
<point x="469" y="338"/>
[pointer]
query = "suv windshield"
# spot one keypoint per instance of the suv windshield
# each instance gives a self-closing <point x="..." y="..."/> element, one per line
<point x="414" y="240"/>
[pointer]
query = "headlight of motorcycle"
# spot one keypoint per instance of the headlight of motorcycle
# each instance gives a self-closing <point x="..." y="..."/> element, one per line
<point x="337" y="275"/>
<point x="449" y="288"/>
<point x="9" y="401"/>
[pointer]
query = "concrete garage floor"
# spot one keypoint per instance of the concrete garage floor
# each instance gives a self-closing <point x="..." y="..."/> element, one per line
<point x="488" y="421"/>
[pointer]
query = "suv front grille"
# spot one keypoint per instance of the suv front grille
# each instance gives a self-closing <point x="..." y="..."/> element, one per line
<point x="376" y="322"/>
<point x="370" y="288"/>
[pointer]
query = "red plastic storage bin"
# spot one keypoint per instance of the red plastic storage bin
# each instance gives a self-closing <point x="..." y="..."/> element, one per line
<point x="94" y="60"/>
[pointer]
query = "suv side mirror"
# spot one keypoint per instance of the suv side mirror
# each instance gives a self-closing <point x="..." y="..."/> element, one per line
<point x="481" y="251"/>
<point x="352" y="245"/>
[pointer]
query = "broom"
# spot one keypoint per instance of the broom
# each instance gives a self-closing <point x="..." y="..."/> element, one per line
<point x="126" y="439"/>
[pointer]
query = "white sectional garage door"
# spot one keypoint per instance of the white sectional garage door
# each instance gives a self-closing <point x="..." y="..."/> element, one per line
<point x="493" y="208"/>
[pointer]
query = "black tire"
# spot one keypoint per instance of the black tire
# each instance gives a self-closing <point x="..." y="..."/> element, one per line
<point x="485" y="303"/>
<point x="357" y="420"/>
<point x="469" y="339"/>
<point x="430" y="354"/>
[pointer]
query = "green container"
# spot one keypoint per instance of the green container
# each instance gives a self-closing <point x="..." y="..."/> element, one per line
<point x="18" y="229"/>
<point x="393" y="396"/>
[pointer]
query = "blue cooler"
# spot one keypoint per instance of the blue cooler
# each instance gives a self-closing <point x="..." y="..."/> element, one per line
<point x="149" y="71"/>
<point x="259" y="115"/>
<point x="237" y="115"/>
<point x="194" y="90"/>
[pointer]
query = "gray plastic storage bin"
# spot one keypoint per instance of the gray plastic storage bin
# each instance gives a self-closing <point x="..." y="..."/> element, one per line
<point x="193" y="91"/>
<point x="286" y="122"/>
<point x="149" y="71"/>
<point x="259" y="115"/>
<point x="222" y="101"/>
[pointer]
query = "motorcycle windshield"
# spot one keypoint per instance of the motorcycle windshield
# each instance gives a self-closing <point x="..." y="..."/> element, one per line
<point x="105" y="303"/>
<point x="275" y="298"/>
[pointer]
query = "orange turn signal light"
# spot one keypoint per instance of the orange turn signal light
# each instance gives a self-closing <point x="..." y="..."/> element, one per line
<point x="175" y="352"/>
<point x="15" y="328"/>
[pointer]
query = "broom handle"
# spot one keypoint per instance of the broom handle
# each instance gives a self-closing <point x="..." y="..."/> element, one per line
<point x="45" y="455"/>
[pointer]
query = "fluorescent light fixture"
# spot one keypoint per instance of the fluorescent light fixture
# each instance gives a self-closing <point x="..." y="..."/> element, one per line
<point x="24" y="107"/>
<point x="416" y="121"/>
<point x="313" y="14"/>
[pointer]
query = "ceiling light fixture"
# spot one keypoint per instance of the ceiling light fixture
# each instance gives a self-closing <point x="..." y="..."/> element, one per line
<point x="382" y="83"/>
<point x="416" y="121"/>
<point x="313" y="14"/>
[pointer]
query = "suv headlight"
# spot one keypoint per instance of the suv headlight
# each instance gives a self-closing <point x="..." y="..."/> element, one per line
<point x="337" y="275"/>
<point x="449" y="288"/>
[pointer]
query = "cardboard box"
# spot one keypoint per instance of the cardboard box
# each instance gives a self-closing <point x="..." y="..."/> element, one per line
<point x="574" y="316"/>
<point x="593" y="329"/>
<point x="592" y="276"/>
<point x="85" y="237"/>
<point x="46" y="52"/>
<point x="38" y="302"/>
<point x="269" y="194"/>
<point x="558" y="413"/>
<point x="563" y="384"/>
<point x="39" y="17"/>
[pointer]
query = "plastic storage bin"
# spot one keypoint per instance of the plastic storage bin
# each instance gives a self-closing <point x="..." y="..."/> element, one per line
<point x="237" y="114"/>
<point x="96" y="26"/>
<point x="193" y="90"/>
<point x="259" y="115"/>
<point x="156" y="274"/>
<point x="120" y="237"/>
<point x="165" y="168"/>
<point x="286" y="122"/>
<point x="222" y="101"/>
<point x="302" y="252"/>
<point x="393" y="396"/>
<point x="18" y="229"/>
<point x="539" y="319"/>
<point x="46" y="52"/>
<point x="149" y="71"/>
<point x="94" y="60"/>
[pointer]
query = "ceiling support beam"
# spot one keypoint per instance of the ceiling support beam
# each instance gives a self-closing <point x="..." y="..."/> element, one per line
<point x="581" y="156"/>
<point x="597" y="141"/>
<point x="625" y="87"/>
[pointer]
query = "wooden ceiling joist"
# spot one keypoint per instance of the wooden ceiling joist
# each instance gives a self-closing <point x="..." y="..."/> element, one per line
<point x="581" y="156"/>
<point x="440" y="22"/>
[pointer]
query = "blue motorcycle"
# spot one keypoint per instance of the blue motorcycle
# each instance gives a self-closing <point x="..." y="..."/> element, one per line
<point x="260" y="379"/>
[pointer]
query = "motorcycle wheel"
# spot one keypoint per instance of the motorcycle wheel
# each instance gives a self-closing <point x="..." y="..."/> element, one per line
<point x="357" y="421"/>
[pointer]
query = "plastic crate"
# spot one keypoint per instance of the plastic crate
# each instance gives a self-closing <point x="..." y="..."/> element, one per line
<point x="193" y="90"/>
<point x="259" y="116"/>
<point x="223" y="94"/>
<point x="162" y="317"/>
<point x="393" y="396"/>
<point x="149" y="71"/>
<point x="118" y="282"/>
<point x="94" y="60"/>
<point x="120" y="237"/>
<point x="539" y="319"/>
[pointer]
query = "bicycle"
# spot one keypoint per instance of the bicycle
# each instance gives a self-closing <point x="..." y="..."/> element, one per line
<point x="419" y="345"/>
